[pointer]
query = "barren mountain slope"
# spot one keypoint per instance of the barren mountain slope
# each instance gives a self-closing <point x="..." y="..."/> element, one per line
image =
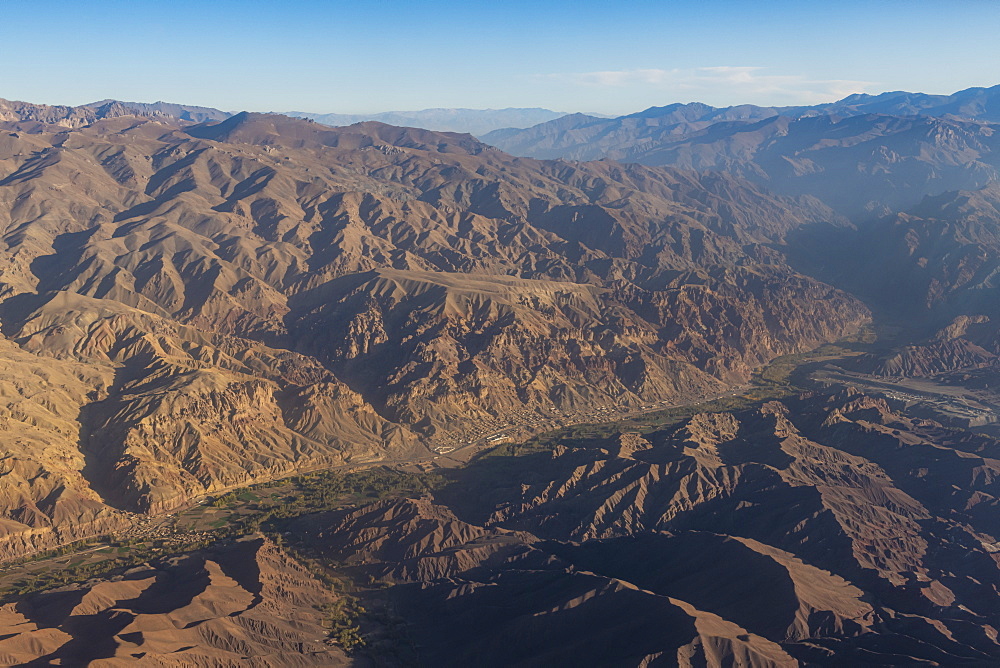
<point x="477" y="588"/>
<point x="265" y="294"/>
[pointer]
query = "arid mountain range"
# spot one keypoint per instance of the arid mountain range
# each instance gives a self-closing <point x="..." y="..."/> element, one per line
<point x="973" y="104"/>
<point x="193" y="301"/>
<point x="233" y="301"/>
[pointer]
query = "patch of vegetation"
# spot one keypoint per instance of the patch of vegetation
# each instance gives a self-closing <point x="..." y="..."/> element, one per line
<point x="340" y="617"/>
<point x="229" y="498"/>
<point x="329" y="489"/>
<point x="311" y="493"/>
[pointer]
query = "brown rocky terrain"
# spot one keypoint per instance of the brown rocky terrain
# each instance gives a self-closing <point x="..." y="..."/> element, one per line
<point x="193" y="301"/>
<point x="916" y="174"/>
<point x="818" y="531"/>
<point x="240" y="300"/>
<point x="186" y="308"/>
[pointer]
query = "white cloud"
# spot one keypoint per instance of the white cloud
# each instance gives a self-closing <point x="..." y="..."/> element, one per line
<point x="713" y="84"/>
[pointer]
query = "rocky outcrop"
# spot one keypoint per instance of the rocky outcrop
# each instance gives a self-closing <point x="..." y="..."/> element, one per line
<point x="808" y="530"/>
<point x="966" y="344"/>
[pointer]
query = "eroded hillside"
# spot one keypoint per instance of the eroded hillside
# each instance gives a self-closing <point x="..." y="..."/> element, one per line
<point x="238" y="301"/>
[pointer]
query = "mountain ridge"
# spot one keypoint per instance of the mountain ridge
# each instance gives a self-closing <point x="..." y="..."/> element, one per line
<point x="263" y="295"/>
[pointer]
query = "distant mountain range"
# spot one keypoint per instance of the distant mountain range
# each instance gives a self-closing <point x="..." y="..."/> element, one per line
<point x="978" y="104"/>
<point x="544" y="133"/>
<point x="474" y="121"/>
<point x="864" y="155"/>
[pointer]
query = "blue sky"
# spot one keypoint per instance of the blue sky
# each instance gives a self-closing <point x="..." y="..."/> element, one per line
<point x="607" y="57"/>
